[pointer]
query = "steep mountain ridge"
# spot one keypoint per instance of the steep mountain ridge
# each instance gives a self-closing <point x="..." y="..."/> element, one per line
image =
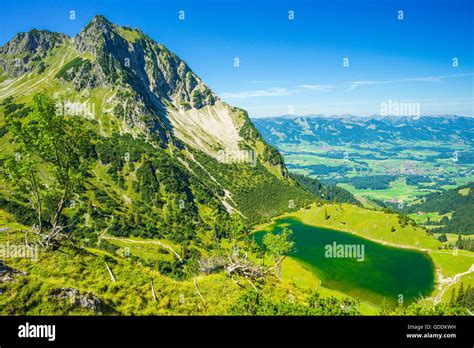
<point x="26" y="50"/>
<point x="139" y="96"/>
<point x="147" y="86"/>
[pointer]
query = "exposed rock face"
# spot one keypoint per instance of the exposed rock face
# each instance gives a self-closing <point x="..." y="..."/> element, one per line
<point x="26" y="50"/>
<point x="8" y="274"/>
<point x="87" y="300"/>
<point x="148" y="87"/>
<point x="129" y="56"/>
<point x="147" y="76"/>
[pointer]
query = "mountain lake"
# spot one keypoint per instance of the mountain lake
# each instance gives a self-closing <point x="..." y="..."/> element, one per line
<point x="357" y="266"/>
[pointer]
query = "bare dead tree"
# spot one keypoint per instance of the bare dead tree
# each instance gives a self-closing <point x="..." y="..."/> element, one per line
<point x="237" y="267"/>
<point x="46" y="238"/>
<point x="241" y="266"/>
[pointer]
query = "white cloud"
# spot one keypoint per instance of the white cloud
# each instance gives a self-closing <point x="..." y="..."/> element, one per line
<point x="349" y="86"/>
<point x="275" y="92"/>
<point x="354" y="84"/>
<point x="320" y="88"/>
<point x="271" y="92"/>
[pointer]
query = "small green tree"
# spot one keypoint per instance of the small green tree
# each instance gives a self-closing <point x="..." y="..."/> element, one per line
<point x="452" y="301"/>
<point x="469" y="299"/>
<point x="47" y="166"/>
<point x="326" y="215"/>
<point x="237" y="228"/>
<point x="459" y="242"/>
<point x="461" y="294"/>
<point x="278" y="246"/>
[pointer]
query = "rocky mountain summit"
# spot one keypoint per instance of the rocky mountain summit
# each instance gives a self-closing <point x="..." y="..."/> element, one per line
<point x="26" y="51"/>
<point x="137" y="80"/>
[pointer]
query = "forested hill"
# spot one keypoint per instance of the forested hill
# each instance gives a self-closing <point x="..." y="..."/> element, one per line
<point x="458" y="201"/>
<point x="325" y="192"/>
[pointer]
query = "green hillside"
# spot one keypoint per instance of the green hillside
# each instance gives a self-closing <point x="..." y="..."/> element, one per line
<point x="325" y="192"/>
<point x="455" y="207"/>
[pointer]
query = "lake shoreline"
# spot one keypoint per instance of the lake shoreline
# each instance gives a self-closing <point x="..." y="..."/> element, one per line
<point x="299" y="214"/>
<point x="294" y="214"/>
<point x="387" y="273"/>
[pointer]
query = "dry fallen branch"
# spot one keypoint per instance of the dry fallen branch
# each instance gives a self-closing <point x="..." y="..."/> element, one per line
<point x="157" y="242"/>
<point x="198" y="292"/>
<point x="253" y="286"/>
<point x="46" y="238"/>
<point x="242" y="267"/>
<point x="153" y="291"/>
<point x="110" y="272"/>
<point x="236" y="266"/>
<point x="268" y="270"/>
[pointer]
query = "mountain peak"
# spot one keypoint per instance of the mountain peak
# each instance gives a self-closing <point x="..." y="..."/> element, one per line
<point x="100" y="22"/>
<point x="21" y="54"/>
<point x="31" y="41"/>
<point x="98" y="31"/>
<point x="150" y="90"/>
<point x="100" y="19"/>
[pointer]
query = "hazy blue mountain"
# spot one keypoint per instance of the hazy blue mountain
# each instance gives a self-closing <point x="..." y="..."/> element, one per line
<point x="357" y="130"/>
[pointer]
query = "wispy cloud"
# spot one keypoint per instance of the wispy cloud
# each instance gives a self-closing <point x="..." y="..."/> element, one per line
<point x="320" y="88"/>
<point x="354" y="84"/>
<point x="266" y="81"/>
<point x="275" y="92"/>
<point x="271" y="92"/>
<point x="348" y="86"/>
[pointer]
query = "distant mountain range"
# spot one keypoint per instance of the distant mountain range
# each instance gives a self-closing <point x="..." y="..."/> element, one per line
<point x="356" y="130"/>
<point x="427" y="154"/>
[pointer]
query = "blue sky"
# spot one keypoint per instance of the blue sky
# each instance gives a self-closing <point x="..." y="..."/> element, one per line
<point x="297" y="65"/>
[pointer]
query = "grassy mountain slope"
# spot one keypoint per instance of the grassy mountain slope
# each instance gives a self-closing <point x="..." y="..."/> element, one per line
<point x="141" y="98"/>
<point x="159" y="168"/>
